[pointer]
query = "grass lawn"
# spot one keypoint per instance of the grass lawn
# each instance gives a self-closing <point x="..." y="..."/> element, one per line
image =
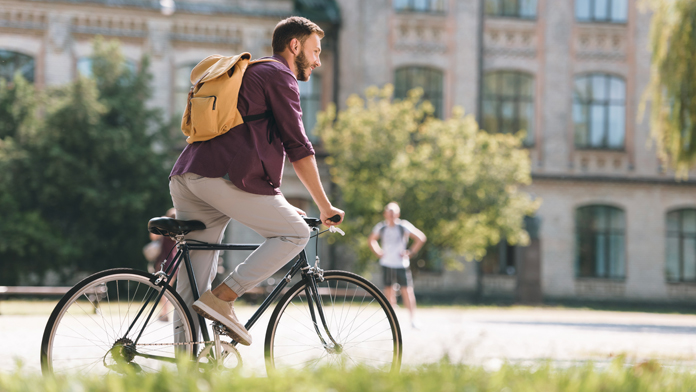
<point x="443" y="376"/>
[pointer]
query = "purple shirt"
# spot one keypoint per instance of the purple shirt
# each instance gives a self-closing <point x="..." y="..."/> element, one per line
<point x="244" y="154"/>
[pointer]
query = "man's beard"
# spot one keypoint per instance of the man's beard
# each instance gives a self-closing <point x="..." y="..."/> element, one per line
<point x="302" y="66"/>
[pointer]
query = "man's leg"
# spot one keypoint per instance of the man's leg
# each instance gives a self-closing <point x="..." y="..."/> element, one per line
<point x="272" y="217"/>
<point x="409" y="300"/>
<point x="390" y="294"/>
<point x="204" y="263"/>
<point x="388" y="280"/>
<point x="406" y="281"/>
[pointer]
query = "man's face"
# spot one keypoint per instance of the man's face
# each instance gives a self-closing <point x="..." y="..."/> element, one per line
<point x="390" y="215"/>
<point x="308" y="58"/>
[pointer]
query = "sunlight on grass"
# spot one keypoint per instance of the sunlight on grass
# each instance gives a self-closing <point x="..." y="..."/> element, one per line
<point x="442" y="376"/>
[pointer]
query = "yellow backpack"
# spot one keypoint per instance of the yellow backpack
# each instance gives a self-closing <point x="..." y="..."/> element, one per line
<point x="212" y="102"/>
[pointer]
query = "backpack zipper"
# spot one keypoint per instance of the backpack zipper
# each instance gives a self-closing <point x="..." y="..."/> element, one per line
<point x="214" y="100"/>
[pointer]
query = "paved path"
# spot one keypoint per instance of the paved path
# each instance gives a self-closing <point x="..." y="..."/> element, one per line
<point x="486" y="336"/>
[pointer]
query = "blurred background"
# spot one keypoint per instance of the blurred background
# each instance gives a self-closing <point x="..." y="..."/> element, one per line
<point x="93" y="90"/>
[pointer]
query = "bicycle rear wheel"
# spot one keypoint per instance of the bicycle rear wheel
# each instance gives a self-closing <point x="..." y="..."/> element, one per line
<point x="358" y="316"/>
<point x="90" y="328"/>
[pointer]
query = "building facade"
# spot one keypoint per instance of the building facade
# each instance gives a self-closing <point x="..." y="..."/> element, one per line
<point x="614" y="224"/>
<point x="50" y="43"/>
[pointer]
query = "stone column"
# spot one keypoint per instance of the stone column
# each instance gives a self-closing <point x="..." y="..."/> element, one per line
<point x="58" y="66"/>
<point x="558" y="86"/>
<point x="159" y="49"/>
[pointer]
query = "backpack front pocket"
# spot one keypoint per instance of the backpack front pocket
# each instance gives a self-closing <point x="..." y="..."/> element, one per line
<point x="204" y="115"/>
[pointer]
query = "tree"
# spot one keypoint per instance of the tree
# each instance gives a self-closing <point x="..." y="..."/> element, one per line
<point x="459" y="184"/>
<point x="672" y="88"/>
<point x="79" y="185"/>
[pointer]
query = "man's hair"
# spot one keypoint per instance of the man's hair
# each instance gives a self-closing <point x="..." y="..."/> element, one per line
<point x="293" y="27"/>
<point x="393" y="206"/>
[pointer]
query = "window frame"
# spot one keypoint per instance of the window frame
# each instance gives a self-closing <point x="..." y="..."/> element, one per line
<point x="591" y="233"/>
<point x="314" y="96"/>
<point x="502" y="258"/>
<point x="410" y="6"/>
<point x="606" y="103"/>
<point x="498" y="98"/>
<point x="681" y="236"/>
<point x="30" y="63"/>
<point x="592" y="14"/>
<point x="428" y="93"/>
<point x="179" y="90"/>
<point x="503" y="13"/>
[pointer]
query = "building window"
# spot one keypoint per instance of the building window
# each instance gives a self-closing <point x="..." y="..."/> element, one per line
<point x="499" y="260"/>
<point x="429" y="79"/>
<point x="84" y="66"/>
<point x="310" y="100"/>
<point x="420" y="5"/>
<point x="681" y="245"/>
<point x="611" y="11"/>
<point x="182" y="86"/>
<point x="599" y="111"/>
<point x="508" y="103"/>
<point x="600" y="243"/>
<point x="13" y="62"/>
<point x="525" y="9"/>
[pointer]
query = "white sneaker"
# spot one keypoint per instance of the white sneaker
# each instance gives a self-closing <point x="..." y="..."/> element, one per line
<point x="213" y="308"/>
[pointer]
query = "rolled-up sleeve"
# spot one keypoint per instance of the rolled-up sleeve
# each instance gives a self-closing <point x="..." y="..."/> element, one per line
<point x="283" y="99"/>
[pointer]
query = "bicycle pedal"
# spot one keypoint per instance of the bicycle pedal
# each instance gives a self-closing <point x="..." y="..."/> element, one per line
<point x="220" y="329"/>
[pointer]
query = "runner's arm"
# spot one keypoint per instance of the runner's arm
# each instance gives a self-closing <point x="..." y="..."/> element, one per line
<point x="374" y="245"/>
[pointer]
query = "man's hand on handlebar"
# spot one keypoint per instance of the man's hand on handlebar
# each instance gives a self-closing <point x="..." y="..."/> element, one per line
<point x="332" y="217"/>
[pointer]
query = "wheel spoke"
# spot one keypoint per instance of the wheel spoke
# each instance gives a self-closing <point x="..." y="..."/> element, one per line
<point x="357" y="316"/>
<point x="80" y="341"/>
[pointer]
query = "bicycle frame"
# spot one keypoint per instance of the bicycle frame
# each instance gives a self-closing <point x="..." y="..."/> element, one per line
<point x="301" y="265"/>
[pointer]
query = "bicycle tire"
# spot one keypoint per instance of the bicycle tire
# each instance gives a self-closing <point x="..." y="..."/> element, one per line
<point x="86" y="331"/>
<point x="354" y="309"/>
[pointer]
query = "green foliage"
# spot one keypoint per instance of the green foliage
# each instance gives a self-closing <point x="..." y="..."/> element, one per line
<point x="453" y="181"/>
<point x="672" y="89"/>
<point x="80" y="178"/>
<point x="443" y="376"/>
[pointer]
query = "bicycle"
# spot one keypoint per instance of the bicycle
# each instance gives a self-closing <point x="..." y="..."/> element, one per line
<point x="112" y="321"/>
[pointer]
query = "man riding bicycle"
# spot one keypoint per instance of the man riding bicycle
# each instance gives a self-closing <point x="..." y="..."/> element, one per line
<point x="237" y="175"/>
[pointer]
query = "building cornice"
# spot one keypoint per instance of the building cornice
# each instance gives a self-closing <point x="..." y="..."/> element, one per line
<point x="181" y="7"/>
<point x="613" y="179"/>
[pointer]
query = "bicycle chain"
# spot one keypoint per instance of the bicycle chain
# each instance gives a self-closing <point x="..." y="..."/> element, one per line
<point x="175" y="344"/>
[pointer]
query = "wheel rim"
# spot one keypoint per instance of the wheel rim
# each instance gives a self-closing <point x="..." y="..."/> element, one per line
<point x="364" y="328"/>
<point x="89" y="334"/>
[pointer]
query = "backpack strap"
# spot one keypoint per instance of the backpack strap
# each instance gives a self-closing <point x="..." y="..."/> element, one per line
<point x="402" y="230"/>
<point x="267" y="114"/>
<point x="260" y="116"/>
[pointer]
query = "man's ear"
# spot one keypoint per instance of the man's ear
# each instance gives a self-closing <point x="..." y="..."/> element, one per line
<point x="295" y="46"/>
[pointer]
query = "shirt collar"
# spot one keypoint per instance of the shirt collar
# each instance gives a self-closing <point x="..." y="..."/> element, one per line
<point x="282" y="60"/>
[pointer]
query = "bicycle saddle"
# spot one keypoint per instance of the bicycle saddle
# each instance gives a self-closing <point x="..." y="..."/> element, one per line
<point x="171" y="227"/>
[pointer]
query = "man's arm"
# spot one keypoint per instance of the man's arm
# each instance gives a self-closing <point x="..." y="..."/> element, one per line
<point x="418" y="238"/>
<point x="374" y="245"/>
<point x="308" y="173"/>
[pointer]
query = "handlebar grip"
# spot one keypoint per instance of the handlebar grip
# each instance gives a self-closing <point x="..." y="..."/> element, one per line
<point x="335" y="218"/>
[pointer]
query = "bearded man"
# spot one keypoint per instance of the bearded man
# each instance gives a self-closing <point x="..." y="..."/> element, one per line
<point x="237" y="176"/>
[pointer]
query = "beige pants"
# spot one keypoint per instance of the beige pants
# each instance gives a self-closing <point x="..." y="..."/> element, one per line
<point x="214" y="201"/>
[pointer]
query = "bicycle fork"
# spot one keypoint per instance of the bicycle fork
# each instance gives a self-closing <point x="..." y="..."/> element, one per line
<point x="313" y="296"/>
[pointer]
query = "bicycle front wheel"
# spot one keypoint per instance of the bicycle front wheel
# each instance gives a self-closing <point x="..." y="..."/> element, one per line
<point x="101" y="325"/>
<point x="361" y="327"/>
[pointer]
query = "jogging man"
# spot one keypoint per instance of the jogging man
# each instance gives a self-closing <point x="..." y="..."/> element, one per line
<point x="394" y="256"/>
<point x="237" y="176"/>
